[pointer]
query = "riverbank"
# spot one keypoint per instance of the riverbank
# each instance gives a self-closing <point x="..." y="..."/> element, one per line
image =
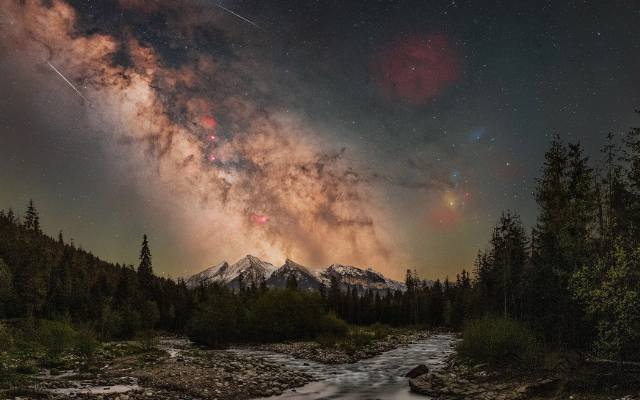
<point x="581" y="379"/>
<point x="347" y="351"/>
<point x="174" y="368"/>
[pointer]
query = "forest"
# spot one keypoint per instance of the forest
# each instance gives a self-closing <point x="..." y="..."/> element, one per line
<point x="572" y="280"/>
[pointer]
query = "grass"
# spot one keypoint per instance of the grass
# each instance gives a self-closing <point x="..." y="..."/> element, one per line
<point x="499" y="342"/>
<point x="356" y="337"/>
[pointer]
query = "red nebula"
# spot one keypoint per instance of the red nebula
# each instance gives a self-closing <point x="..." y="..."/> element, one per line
<point x="259" y="218"/>
<point x="416" y="68"/>
<point x="444" y="217"/>
<point x="208" y="122"/>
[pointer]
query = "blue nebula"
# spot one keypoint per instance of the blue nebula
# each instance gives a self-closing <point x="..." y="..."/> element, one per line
<point x="476" y="135"/>
<point x="454" y="177"/>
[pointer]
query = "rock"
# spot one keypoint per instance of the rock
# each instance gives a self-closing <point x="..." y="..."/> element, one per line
<point x="417" y="371"/>
<point x="540" y="387"/>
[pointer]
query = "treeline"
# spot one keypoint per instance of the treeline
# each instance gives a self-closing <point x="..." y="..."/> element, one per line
<point x="424" y="303"/>
<point x="43" y="277"/>
<point x="575" y="279"/>
<point x="255" y="314"/>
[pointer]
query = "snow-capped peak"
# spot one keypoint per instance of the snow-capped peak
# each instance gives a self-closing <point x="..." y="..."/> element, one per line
<point x="251" y="270"/>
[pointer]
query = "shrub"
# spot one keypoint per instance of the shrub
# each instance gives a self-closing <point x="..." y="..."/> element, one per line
<point x="6" y="339"/>
<point x="86" y="343"/>
<point x="216" y="322"/>
<point x="499" y="342"/>
<point x="148" y="340"/>
<point x="380" y="331"/>
<point x="291" y="314"/>
<point x="111" y="324"/>
<point x="57" y="338"/>
<point x="333" y="326"/>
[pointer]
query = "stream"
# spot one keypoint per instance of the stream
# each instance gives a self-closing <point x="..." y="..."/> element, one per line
<point x="380" y="377"/>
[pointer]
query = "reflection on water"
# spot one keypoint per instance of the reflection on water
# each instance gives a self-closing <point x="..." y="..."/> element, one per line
<point x="380" y="377"/>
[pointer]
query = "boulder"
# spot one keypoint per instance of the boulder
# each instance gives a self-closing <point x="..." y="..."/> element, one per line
<point x="417" y="371"/>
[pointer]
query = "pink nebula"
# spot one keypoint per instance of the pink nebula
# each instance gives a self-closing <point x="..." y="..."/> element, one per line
<point x="209" y="122"/>
<point x="259" y="218"/>
<point x="416" y="68"/>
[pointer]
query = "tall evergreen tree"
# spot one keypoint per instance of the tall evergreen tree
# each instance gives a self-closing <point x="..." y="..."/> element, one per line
<point x="145" y="269"/>
<point x="31" y="218"/>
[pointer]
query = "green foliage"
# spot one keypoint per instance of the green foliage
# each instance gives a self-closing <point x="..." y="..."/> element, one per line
<point x="271" y="315"/>
<point x="330" y="324"/>
<point x="6" y="284"/>
<point x="85" y="343"/>
<point x="217" y="320"/>
<point x="610" y="289"/>
<point x="6" y="339"/>
<point x="499" y="342"/>
<point x="57" y="338"/>
<point x="148" y="340"/>
<point x="288" y="314"/>
<point x="111" y="324"/>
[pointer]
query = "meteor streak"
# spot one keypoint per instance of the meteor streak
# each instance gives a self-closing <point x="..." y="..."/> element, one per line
<point x="237" y="15"/>
<point x="68" y="82"/>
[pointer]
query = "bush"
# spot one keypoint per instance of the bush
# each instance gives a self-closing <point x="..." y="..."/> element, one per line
<point x="6" y="339"/>
<point x="380" y="331"/>
<point x="333" y="326"/>
<point x="86" y="343"/>
<point x="287" y="314"/>
<point x="148" y="340"/>
<point x="216" y="322"/>
<point x="500" y="343"/>
<point x="57" y="338"/>
<point x="111" y="324"/>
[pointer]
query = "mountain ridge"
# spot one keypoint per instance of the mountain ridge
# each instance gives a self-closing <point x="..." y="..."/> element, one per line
<point x="252" y="270"/>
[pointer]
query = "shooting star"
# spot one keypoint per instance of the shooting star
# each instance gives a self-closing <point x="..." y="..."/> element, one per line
<point x="68" y="82"/>
<point x="237" y="15"/>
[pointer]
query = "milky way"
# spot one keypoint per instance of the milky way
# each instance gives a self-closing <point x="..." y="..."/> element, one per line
<point x="266" y="185"/>
<point x="386" y="135"/>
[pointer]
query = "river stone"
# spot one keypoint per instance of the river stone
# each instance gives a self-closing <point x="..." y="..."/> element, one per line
<point x="417" y="371"/>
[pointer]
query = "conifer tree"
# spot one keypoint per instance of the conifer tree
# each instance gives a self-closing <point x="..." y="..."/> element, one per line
<point x="145" y="269"/>
<point x="31" y="218"/>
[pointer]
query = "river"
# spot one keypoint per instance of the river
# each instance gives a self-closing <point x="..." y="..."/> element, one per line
<point x="380" y="377"/>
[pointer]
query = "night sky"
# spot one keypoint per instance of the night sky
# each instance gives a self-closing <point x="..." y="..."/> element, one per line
<point x="388" y="134"/>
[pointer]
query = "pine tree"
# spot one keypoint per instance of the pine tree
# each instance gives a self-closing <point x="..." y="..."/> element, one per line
<point x="145" y="269"/>
<point x="509" y="254"/>
<point x="31" y="218"/>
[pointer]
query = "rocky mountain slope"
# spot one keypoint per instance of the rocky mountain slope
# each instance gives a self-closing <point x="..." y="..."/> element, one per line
<point x="251" y="270"/>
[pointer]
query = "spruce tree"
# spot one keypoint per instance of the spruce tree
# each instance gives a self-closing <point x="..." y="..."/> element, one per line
<point x="31" y="218"/>
<point x="145" y="269"/>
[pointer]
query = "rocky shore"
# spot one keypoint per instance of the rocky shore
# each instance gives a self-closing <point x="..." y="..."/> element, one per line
<point x="458" y="381"/>
<point x="168" y="372"/>
<point x="314" y="351"/>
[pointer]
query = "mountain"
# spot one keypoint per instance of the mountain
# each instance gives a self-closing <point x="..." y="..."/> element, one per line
<point x="361" y="279"/>
<point x="305" y="278"/>
<point x="251" y="269"/>
<point x="248" y="270"/>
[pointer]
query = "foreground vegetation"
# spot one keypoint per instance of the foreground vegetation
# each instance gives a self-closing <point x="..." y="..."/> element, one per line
<point x="501" y="343"/>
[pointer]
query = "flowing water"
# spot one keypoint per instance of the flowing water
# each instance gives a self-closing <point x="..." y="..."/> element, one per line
<point x="380" y="377"/>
